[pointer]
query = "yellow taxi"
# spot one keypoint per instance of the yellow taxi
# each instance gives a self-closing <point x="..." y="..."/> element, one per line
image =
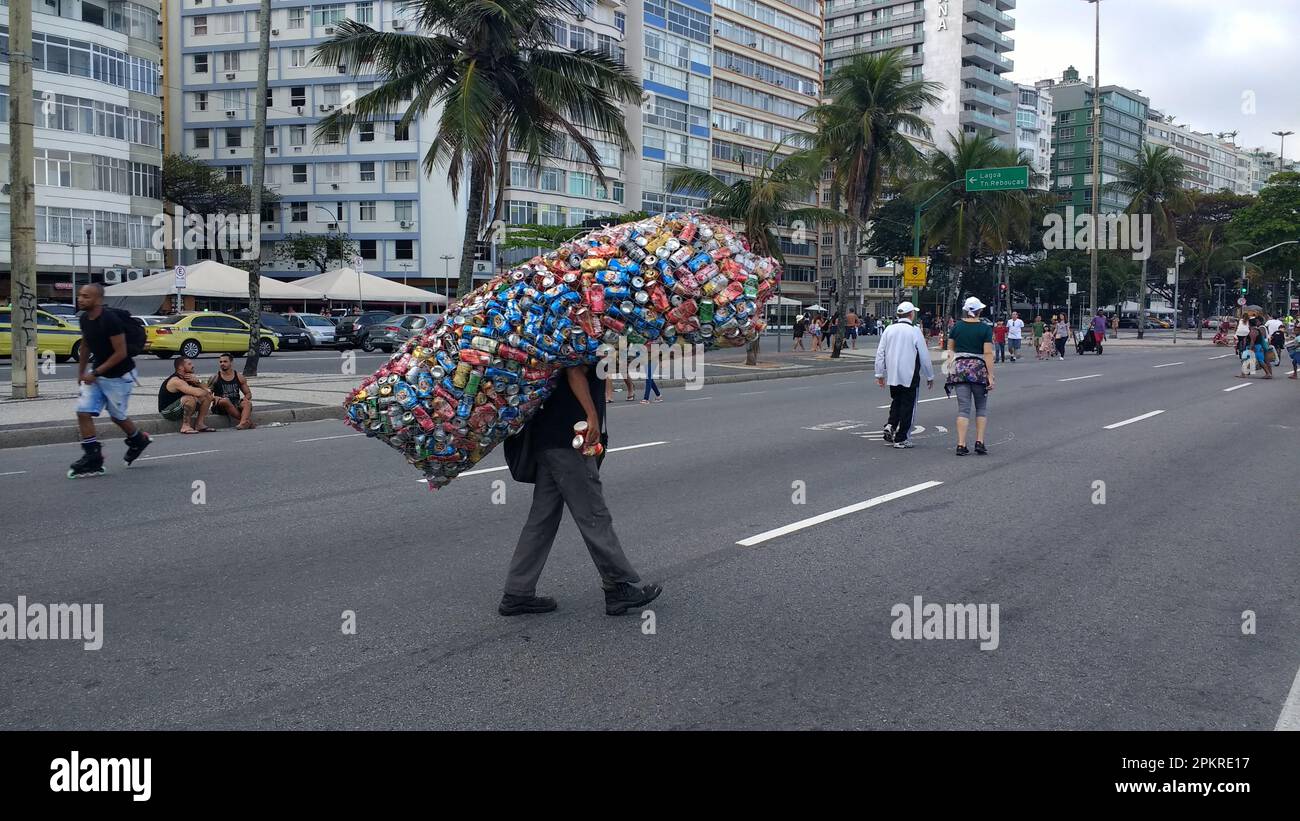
<point x="191" y="334"/>
<point x="60" y="335"/>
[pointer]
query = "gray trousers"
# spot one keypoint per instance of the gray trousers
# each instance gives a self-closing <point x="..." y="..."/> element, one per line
<point x="565" y="477"/>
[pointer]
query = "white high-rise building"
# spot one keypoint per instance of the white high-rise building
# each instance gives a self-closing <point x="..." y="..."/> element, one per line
<point x="1262" y="165"/>
<point x="369" y="185"/>
<point x="1210" y="163"/>
<point x="1034" y="128"/>
<point x="97" y="139"/>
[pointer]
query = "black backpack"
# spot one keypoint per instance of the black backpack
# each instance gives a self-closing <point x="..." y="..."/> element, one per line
<point x="133" y="330"/>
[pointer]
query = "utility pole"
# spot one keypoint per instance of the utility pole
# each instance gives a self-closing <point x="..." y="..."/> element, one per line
<point x="1281" y="149"/>
<point x="255" y="206"/>
<point x="1096" y="153"/>
<point x="1178" y="261"/>
<point x="22" y="203"/>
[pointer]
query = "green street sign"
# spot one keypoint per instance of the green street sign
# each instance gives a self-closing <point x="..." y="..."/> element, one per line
<point x="1015" y="178"/>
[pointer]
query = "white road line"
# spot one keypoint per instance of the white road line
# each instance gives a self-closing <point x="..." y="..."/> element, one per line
<point x="1134" y="419"/>
<point x="699" y="399"/>
<point x="1077" y="378"/>
<point x="323" y="438"/>
<point x="751" y="393"/>
<point x="1290" y="716"/>
<point x="1169" y="364"/>
<point x="835" y="514"/>
<point x="174" y="455"/>
<point x="506" y="467"/>
<point x="935" y="399"/>
<point x="1224" y="356"/>
<point x="1236" y="387"/>
<point x="13" y="473"/>
<point x="846" y="383"/>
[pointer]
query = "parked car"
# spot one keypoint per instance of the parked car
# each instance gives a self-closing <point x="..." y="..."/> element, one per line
<point x="150" y="319"/>
<point x="351" y="331"/>
<point x="53" y="333"/>
<point x="319" y="328"/>
<point x="191" y="334"/>
<point x="59" y="309"/>
<point x="393" y="332"/>
<point x="291" y="337"/>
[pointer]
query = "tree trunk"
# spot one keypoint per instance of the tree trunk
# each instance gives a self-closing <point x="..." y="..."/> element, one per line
<point x="751" y="353"/>
<point x="255" y="205"/>
<point x="473" y="226"/>
<point x="1142" y="300"/>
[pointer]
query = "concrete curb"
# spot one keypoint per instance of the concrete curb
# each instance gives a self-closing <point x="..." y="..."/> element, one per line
<point x="153" y="423"/>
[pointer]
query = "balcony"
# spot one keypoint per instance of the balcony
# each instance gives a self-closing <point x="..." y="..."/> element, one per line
<point x="987" y="13"/>
<point x="974" y="95"/>
<point x="975" y="74"/>
<point x="988" y="121"/>
<point x="986" y="35"/>
<point x="986" y="57"/>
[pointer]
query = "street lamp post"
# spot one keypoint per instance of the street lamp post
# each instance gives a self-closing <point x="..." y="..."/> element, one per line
<point x="1241" y="308"/>
<point x="406" y="268"/>
<point x="1096" y="150"/>
<point x="446" y="272"/>
<point x="1178" y="261"/>
<point x="1281" y="149"/>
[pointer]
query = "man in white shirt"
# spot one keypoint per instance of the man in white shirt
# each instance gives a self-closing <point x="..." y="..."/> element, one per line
<point x="901" y="358"/>
<point x="1015" y="333"/>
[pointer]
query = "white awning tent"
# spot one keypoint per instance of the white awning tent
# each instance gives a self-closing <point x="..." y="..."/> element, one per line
<point x="203" y="279"/>
<point x="347" y="285"/>
<point x="784" y="302"/>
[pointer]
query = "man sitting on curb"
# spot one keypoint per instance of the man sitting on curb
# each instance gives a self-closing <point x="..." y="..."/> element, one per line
<point x="182" y="397"/>
<point x="233" y="396"/>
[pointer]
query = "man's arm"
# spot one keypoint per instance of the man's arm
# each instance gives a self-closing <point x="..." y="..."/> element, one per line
<point x="243" y="386"/>
<point x="923" y="353"/>
<point x="119" y="354"/>
<point x="882" y="366"/>
<point x="577" y="378"/>
<point x="188" y="388"/>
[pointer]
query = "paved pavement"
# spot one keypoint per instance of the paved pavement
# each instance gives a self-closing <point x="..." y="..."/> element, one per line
<point x="1124" y="615"/>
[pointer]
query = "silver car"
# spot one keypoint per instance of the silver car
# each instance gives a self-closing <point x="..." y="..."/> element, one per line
<point x="319" y="328"/>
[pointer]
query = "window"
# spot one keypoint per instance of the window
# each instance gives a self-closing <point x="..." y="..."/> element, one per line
<point x="297" y="135"/>
<point x="200" y="101"/>
<point x="200" y="25"/>
<point x="300" y="173"/>
<point x="234" y="137"/>
<point x="402" y="171"/>
<point x="235" y="173"/>
<point x="367" y="210"/>
<point x="366" y="132"/>
<point x="404" y="249"/>
<point x="365" y="13"/>
<point x="367" y="172"/>
<point x="331" y="136"/>
<point x="369" y="248"/>
<point x="404" y="211"/>
<point x="328" y="15"/>
<point x="522" y="213"/>
<point x="296" y="18"/>
<point x="202" y="138"/>
<point x="270" y="97"/>
<point x="620" y="21"/>
<point x="581" y="185"/>
<point x="401" y="133"/>
<point x="297" y="212"/>
<point x="332" y="93"/>
<point x="551" y="179"/>
<point x="230" y="60"/>
<point x="298" y="95"/>
<point x="297" y="57"/>
<point x="333" y="171"/>
<point x="200" y="64"/>
<point x="521" y="176"/>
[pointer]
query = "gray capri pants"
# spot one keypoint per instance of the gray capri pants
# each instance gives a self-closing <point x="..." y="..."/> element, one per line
<point x="965" y="392"/>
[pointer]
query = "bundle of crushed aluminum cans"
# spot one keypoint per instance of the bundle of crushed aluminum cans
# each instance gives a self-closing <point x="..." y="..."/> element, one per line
<point x="480" y="371"/>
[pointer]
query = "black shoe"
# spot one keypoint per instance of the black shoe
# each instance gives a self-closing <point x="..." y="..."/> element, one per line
<point x="133" y="450"/>
<point x="889" y="435"/>
<point x="512" y="605"/>
<point x="962" y="450"/>
<point x="980" y="449"/>
<point x="91" y="463"/>
<point x="625" y="596"/>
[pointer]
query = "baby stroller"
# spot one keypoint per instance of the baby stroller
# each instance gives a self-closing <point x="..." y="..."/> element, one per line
<point x="1086" y="343"/>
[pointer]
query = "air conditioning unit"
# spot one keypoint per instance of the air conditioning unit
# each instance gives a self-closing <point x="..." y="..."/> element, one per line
<point x="334" y="185"/>
<point x="112" y="276"/>
<point x="230" y="75"/>
<point x="297" y="149"/>
<point x="343" y="69"/>
<point x="329" y="29"/>
<point x="270" y="149"/>
<point x="482" y="266"/>
<point x="581" y="17"/>
<point x="153" y="272"/>
<point x="407" y="224"/>
<point x="230" y="112"/>
<point x="300" y="108"/>
<point x="132" y="274"/>
<point x="399" y="25"/>
<point x="302" y="265"/>
<point x="234" y="151"/>
<point x="153" y="256"/>
<point x="326" y="107"/>
<point x="275" y="32"/>
<point x="333" y="226"/>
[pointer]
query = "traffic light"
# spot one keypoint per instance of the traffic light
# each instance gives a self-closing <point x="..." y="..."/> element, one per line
<point x="1243" y="290"/>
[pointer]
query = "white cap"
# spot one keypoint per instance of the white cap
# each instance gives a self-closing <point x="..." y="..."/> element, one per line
<point x="904" y="308"/>
<point x="972" y="305"/>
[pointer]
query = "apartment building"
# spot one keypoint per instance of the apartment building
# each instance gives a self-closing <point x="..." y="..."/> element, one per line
<point x="97" y="139"/>
<point x="1034" y="112"/>
<point x="1263" y="164"/>
<point x="1210" y="163"/>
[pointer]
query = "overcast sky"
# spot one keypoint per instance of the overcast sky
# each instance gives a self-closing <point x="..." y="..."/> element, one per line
<point x="1217" y="65"/>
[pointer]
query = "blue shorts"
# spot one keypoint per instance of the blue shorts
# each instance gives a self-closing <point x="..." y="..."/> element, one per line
<point x="108" y="392"/>
<point x="1295" y="357"/>
<point x="1014" y="343"/>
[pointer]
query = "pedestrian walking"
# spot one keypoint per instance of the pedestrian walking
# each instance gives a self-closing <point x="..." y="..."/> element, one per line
<point x="800" y="328"/>
<point x="106" y="375"/>
<point x="902" y="358"/>
<point x="565" y="477"/>
<point x="1243" y="332"/>
<point x="1293" y="348"/>
<point x="1038" y="333"/>
<point x="1000" y="342"/>
<point x="650" y="381"/>
<point x="1276" y="339"/>
<point x="1099" y="328"/>
<point x="817" y="331"/>
<point x="1015" y="334"/>
<point x="851" y="329"/>
<point x="1062" y="333"/>
<point x="970" y="373"/>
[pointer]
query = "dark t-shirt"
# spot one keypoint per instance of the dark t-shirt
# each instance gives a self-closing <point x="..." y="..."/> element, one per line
<point x="969" y="337"/>
<point x="553" y="424"/>
<point x="97" y="335"/>
<point x="166" y="396"/>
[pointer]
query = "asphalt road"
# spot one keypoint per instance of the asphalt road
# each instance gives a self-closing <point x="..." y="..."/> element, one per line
<point x="1123" y="615"/>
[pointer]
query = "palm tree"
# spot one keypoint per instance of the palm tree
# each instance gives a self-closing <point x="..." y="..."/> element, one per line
<point x="966" y="221"/>
<point x="490" y="71"/>
<point x="776" y="195"/>
<point x="1155" y="183"/>
<point x="860" y="132"/>
<point x="1209" y="255"/>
